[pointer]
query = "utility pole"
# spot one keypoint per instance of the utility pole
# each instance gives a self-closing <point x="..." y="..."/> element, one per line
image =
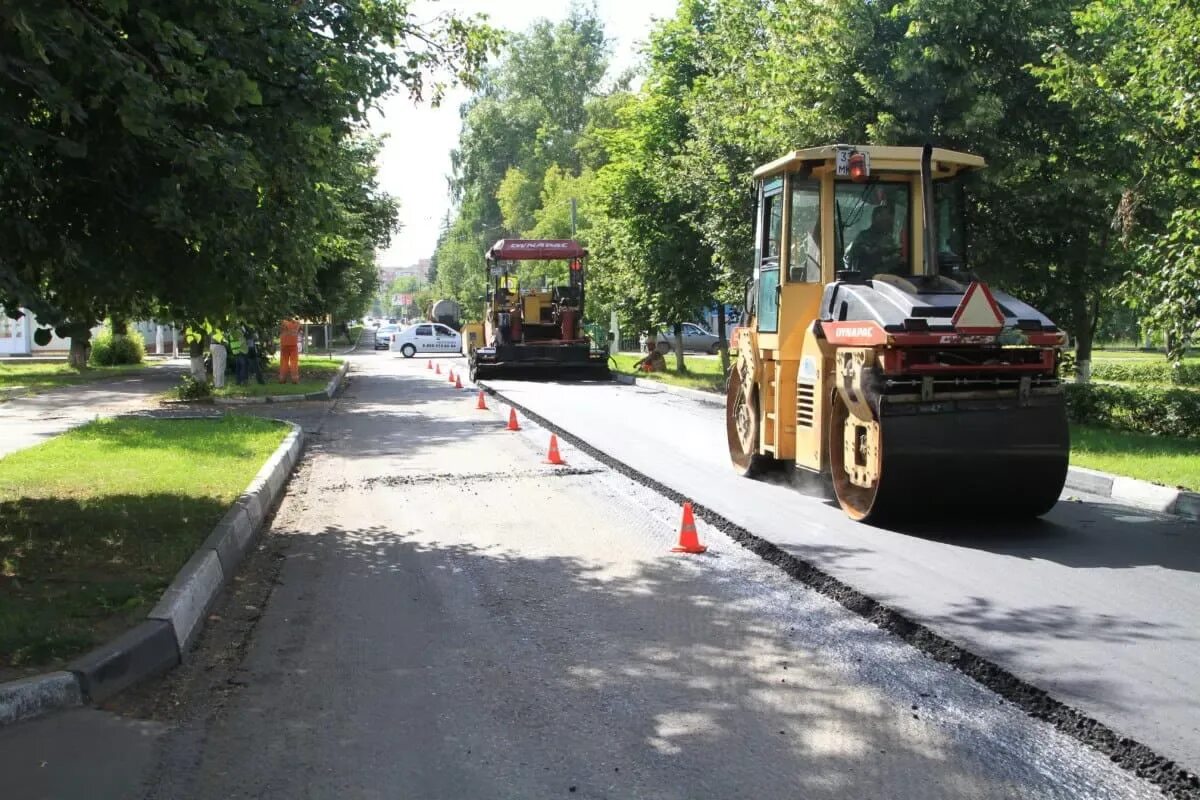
<point x="572" y="217"/>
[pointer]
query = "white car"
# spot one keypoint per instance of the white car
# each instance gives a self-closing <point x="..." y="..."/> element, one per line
<point x="383" y="336"/>
<point x="426" y="338"/>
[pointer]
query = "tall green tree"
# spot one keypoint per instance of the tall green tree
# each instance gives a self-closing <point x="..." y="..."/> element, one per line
<point x="649" y="259"/>
<point x="520" y="140"/>
<point x="906" y="72"/>
<point x="175" y="158"/>
<point x="1134" y="67"/>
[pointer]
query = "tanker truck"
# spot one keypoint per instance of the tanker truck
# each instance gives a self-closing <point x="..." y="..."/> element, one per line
<point x="447" y="312"/>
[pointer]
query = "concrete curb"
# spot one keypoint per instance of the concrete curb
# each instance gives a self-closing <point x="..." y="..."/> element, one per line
<point x="327" y="393"/>
<point x="171" y="628"/>
<point x="1132" y="492"/>
<point x="29" y="697"/>
<point x="145" y="651"/>
<point x="709" y="398"/>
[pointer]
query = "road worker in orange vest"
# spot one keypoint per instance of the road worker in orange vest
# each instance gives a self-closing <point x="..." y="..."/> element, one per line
<point x="289" y="344"/>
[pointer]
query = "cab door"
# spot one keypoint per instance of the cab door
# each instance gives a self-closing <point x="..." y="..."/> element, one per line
<point x="769" y="251"/>
<point x="424" y="339"/>
<point x="801" y="363"/>
<point x="447" y="340"/>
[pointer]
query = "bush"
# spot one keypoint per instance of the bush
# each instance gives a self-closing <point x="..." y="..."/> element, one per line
<point x="1138" y="371"/>
<point x="1146" y="409"/>
<point x="1066" y="364"/>
<point x="191" y="389"/>
<point x="109" y="350"/>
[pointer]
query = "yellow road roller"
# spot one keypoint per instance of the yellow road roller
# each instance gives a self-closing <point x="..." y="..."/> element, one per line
<point x="873" y="354"/>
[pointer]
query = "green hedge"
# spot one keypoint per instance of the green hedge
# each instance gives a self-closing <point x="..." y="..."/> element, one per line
<point x="1152" y="371"/>
<point x="1158" y="410"/>
<point x="109" y="350"/>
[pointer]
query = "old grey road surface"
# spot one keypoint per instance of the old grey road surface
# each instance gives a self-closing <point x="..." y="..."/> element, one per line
<point x="1096" y="604"/>
<point x="26" y="421"/>
<point x="453" y="618"/>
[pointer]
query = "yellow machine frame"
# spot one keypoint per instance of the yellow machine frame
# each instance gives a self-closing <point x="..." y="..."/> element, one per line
<point x="776" y="358"/>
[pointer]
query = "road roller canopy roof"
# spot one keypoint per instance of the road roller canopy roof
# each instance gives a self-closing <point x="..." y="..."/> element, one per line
<point x="882" y="159"/>
<point x="535" y="250"/>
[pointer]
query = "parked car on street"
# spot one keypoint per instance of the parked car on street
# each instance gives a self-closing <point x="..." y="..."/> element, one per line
<point x="383" y="336"/>
<point x="695" y="340"/>
<point x="426" y="338"/>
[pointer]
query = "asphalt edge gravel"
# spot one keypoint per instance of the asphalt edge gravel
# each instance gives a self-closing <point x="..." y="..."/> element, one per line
<point x="1127" y="491"/>
<point x="170" y="629"/>
<point x="1173" y="779"/>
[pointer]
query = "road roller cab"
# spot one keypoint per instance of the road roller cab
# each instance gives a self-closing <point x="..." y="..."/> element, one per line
<point x="873" y="354"/>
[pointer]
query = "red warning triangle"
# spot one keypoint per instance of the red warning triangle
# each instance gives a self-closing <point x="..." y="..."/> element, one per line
<point x="978" y="311"/>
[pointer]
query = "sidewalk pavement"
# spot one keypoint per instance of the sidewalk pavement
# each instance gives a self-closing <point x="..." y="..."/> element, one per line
<point x="26" y="421"/>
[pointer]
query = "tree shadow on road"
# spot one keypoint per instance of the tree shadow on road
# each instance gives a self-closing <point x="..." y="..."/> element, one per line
<point x="482" y="672"/>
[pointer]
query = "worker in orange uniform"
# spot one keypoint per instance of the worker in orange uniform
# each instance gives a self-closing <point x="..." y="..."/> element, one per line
<point x="289" y="344"/>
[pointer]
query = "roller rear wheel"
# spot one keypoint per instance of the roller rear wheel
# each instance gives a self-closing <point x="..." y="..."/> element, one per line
<point x="741" y="428"/>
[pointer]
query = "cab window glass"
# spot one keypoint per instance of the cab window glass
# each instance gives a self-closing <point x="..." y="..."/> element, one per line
<point x="951" y="235"/>
<point x="804" y="258"/>
<point x="424" y="330"/>
<point x="772" y="225"/>
<point x="768" y="301"/>
<point x="872" y="226"/>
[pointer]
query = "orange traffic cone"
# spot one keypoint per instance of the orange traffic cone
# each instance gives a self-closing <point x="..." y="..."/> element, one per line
<point x="429" y="364"/>
<point x="437" y="369"/>
<point x="512" y="420"/>
<point x="481" y="405"/>
<point x="689" y="542"/>
<point x="451" y="378"/>
<point x="553" y="457"/>
<point x="457" y="381"/>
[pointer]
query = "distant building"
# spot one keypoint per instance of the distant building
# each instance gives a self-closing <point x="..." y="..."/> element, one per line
<point x="16" y="336"/>
<point x="387" y="275"/>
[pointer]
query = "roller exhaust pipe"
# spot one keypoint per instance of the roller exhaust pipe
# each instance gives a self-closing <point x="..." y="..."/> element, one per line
<point x="928" y="205"/>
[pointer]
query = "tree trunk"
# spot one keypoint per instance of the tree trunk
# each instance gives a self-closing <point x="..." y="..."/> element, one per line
<point x="196" y="355"/>
<point x="120" y="326"/>
<point x="81" y="348"/>
<point x="680" y="367"/>
<point x="722" y="339"/>
<point x="1085" y="333"/>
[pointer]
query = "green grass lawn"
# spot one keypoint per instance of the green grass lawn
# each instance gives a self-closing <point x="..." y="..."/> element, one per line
<point x="36" y="378"/>
<point x="96" y="522"/>
<point x="315" y="372"/>
<point x="1140" y="355"/>
<point x="1171" y="462"/>
<point x="703" y="373"/>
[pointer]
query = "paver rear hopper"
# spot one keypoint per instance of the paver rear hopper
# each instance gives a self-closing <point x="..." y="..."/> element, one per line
<point x="536" y="332"/>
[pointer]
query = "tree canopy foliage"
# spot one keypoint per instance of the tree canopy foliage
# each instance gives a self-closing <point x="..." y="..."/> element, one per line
<point x="1135" y="67"/>
<point x="528" y="146"/>
<point x="1086" y="111"/>
<point x="203" y="160"/>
